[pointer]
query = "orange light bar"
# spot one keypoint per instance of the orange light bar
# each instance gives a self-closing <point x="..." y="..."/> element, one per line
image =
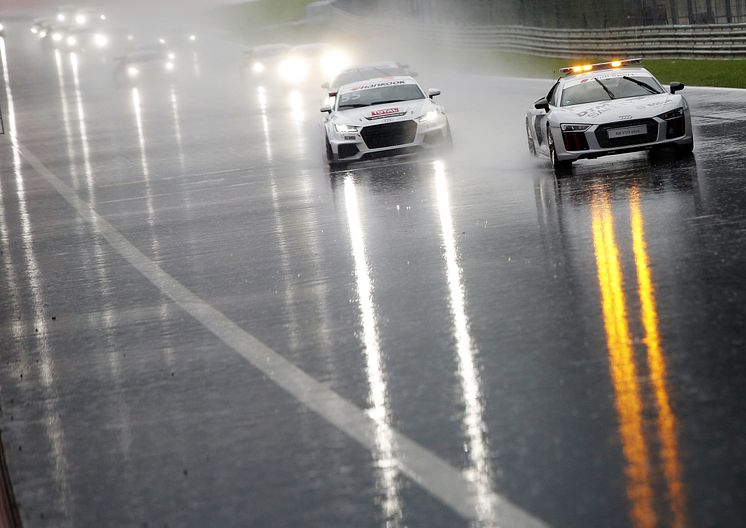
<point x="600" y="66"/>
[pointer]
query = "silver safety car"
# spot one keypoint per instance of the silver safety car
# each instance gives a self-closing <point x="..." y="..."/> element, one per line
<point x="608" y="108"/>
<point x="384" y="116"/>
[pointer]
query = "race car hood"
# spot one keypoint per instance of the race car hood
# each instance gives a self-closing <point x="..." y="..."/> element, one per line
<point x="389" y="113"/>
<point x="617" y="110"/>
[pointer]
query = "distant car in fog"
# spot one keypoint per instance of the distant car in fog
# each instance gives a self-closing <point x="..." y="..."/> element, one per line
<point x="384" y="116"/>
<point x="178" y="39"/>
<point x="263" y="63"/>
<point x="608" y="108"/>
<point x="364" y="72"/>
<point x="145" y="64"/>
<point x="313" y="62"/>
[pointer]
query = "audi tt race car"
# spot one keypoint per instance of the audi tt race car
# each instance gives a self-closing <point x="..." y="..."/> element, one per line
<point x="384" y="116"/>
<point x="608" y="108"/>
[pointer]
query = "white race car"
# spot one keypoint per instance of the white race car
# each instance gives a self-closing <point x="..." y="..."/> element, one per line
<point x="385" y="116"/>
<point x="608" y="108"/>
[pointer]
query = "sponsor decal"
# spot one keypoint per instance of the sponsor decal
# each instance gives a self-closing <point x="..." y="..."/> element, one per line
<point x="386" y="112"/>
<point x="382" y="84"/>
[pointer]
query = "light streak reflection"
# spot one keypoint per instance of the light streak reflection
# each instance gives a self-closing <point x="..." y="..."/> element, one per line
<point x="475" y="429"/>
<point x="52" y="422"/>
<point x="622" y="366"/>
<point x="666" y="421"/>
<point x="379" y="408"/>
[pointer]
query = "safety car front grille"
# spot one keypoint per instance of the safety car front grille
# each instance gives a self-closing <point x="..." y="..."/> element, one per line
<point x="602" y="134"/>
<point x="389" y="134"/>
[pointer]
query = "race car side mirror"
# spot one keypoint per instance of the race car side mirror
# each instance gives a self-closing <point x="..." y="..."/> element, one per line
<point x="676" y="87"/>
<point x="414" y="74"/>
<point x="326" y="109"/>
<point x="542" y="104"/>
<point x="433" y="92"/>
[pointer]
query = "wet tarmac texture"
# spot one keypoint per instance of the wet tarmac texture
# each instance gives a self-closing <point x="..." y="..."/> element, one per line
<point x="573" y="346"/>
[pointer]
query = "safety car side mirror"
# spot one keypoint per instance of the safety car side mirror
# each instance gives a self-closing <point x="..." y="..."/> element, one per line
<point x="542" y="104"/>
<point x="433" y="92"/>
<point x="676" y="87"/>
<point x="326" y="109"/>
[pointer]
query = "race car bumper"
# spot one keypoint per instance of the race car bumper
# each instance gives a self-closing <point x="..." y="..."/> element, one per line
<point x="622" y="137"/>
<point x="402" y="137"/>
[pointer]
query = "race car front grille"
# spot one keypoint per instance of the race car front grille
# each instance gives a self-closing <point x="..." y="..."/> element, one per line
<point x="389" y="134"/>
<point x="347" y="150"/>
<point x="602" y="134"/>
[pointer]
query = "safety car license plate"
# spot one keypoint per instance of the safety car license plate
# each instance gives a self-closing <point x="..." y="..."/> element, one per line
<point x="615" y="133"/>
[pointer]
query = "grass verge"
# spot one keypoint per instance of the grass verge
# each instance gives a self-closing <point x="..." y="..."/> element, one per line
<point x="727" y="73"/>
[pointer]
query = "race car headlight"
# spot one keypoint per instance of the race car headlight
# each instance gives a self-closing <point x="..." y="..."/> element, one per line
<point x="170" y="66"/>
<point x="81" y="20"/>
<point x="57" y="37"/>
<point x="34" y="30"/>
<point x="430" y="117"/>
<point x="100" y="40"/>
<point x="346" y="129"/>
<point x="258" y="68"/>
<point x="133" y="72"/>
<point x="2" y="27"/>
<point x="72" y="41"/>
<point x="43" y="34"/>
<point x="575" y="128"/>
<point x="294" y="69"/>
<point x="673" y="114"/>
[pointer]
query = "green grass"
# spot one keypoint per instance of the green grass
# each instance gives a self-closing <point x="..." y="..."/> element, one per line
<point x="730" y="73"/>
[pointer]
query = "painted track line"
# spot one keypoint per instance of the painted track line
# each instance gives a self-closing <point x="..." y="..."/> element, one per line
<point x="439" y="478"/>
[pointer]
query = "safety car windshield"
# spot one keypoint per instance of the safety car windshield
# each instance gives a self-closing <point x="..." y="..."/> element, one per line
<point x="379" y="95"/>
<point x="608" y="88"/>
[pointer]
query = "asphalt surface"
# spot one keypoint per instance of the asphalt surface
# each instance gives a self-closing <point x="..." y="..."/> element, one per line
<point x="572" y="348"/>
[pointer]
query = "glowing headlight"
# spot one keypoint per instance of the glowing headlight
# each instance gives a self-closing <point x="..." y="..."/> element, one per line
<point x="170" y="66"/>
<point x="100" y="40"/>
<point x="43" y="34"/>
<point x="430" y="117"/>
<point x="334" y="62"/>
<point x="345" y="129"/>
<point x="133" y="72"/>
<point x="102" y="17"/>
<point x="2" y="27"/>
<point x="574" y="128"/>
<point x="162" y="41"/>
<point x="294" y="69"/>
<point x="192" y="38"/>
<point x="258" y="68"/>
<point x="673" y="114"/>
<point x="57" y="37"/>
<point x="34" y="30"/>
<point x="61" y="17"/>
<point x="71" y="41"/>
<point x="81" y="20"/>
<point x="130" y="37"/>
<point x="171" y="56"/>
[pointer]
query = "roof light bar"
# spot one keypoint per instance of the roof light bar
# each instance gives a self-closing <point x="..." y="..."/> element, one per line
<point x="599" y="66"/>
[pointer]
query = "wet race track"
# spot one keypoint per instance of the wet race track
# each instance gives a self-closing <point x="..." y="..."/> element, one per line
<point x="201" y="325"/>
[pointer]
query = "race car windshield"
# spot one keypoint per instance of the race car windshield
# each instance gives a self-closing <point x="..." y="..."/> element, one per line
<point x="382" y="95"/>
<point x="605" y="89"/>
<point x="365" y="74"/>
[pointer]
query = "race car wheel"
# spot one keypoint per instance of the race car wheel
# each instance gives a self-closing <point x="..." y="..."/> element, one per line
<point x="561" y="168"/>
<point x="684" y="150"/>
<point x="531" y="144"/>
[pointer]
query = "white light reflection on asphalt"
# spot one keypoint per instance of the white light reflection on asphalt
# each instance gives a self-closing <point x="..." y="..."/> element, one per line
<point x="137" y="107"/>
<point x="66" y="118"/>
<point x="385" y="447"/>
<point x="74" y="64"/>
<point x="177" y="126"/>
<point x="52" y="422"/>
<point x="475" y="429"/>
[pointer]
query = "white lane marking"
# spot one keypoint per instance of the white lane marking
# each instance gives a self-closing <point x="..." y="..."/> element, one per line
<point x="442" y="480"/>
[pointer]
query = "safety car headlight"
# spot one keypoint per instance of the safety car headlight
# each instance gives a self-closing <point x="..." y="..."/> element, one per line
<point x="574" y="128"/>
<point x="430" y="117"/>
<point x="673" y="114"/>
<point x="345" y="129"/>
<point x="258" y="68"/>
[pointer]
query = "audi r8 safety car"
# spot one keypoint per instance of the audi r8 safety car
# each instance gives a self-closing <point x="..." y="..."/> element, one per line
<point x="608" y="108"/>
<point x="385" y="116"/>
